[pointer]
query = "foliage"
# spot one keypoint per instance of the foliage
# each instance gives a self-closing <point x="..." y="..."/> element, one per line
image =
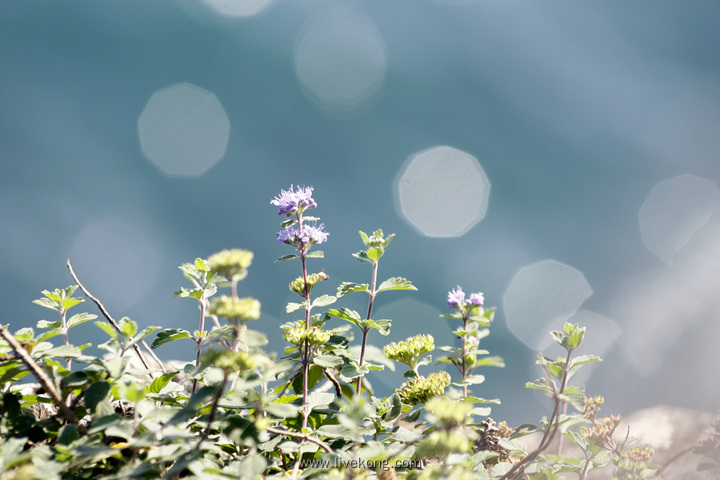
<point x="237" y="411"/>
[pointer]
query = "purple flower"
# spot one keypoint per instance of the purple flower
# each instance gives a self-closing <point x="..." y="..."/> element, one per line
<point x="456" y="298"/>
<point x="476" y="299"/>
<point x="314" y="234"/>
<point x="311" y="234"/>
<point x="291" y="201"/>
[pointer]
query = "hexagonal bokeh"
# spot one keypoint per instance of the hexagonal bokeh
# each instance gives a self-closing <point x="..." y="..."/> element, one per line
<point x="674" y="211"/>
<point x="184" y="130"/>
<point x="540" y="297"/>
<point x="238" y="8"/>
<point x="340" y="61"/>
<point x="442" y="192"/>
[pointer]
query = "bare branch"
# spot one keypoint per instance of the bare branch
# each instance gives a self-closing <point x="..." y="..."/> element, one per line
<point x="41" y="376"/>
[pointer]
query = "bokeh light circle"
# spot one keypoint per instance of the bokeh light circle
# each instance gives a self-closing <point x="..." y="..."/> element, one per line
<point x="442" y="192"/>
<point x="340" y="61"/>
<point x="674" y="211"/>
<point x="542" y="296"/>
<point x="116" y="259"/>
<point x="184" y="130"/>
<point x="238" y="8"/>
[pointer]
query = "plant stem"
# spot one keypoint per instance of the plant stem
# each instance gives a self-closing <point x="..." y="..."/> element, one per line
<point x="63" y="314"/>
<point x="213" y="411"/>
<point x="366" y="330"/>
<point x="306" y="294"/>
<point x="199" y="339"/>
<point x="463" y="339"/>
<point x="553" y="425"/>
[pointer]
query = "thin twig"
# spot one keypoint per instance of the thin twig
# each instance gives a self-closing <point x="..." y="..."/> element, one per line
<point x="672" y="460"/>
<point x="112" y="321"/>
<point x="301" y="436"/>
<point x="41" y="376"/>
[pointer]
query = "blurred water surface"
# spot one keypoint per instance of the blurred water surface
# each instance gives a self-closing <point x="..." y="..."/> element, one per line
<point x="135" y="136"/>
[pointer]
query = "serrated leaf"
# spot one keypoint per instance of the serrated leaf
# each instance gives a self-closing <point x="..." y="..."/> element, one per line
<point x="294" y="306"/>
<point x="324" y="301"/>
<point x="396" y="283"/>
<point x="195" y="293"/>
<point x="170" y="335"/>
<point x="79" y="319"/>
<point x="382" y="326"/>
<point x="287" y="258"/>
<point x="128" y="327"/>
<point x="346" y="288"/>
<point x="362" y="256"/>
<point x="47" y="324"/>
<point x="374" y="253"/>
<point x="346" y="314"/>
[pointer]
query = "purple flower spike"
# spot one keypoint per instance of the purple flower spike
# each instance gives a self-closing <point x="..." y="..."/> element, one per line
<point x="314" y="234"/>
<point x="476" y="299"/>
<point x="311" y="234"/>
<point x="456" y="298"/>
<point x="291" y="201"/>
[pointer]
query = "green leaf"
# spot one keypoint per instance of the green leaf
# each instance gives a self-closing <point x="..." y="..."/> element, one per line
<point x="80" y="318"/>
<point x="328" y="361"/>
<point x="128" y="327"/>
<point x="324" y="301"/>
<point x="195" y="293"/>
<point x="109" y="329"/>
<point x="67" y="434"/>
<point x="382" y="326"/>
<point x="350" y="287"/>
<point x="363" y="257"/>
<point x="63" y="351"/>
<point x="96" y="393"/>
<point x="374" y="253"/>
<point x="170" y="335"/>
<point x="159" y="382"/>
<point x="143" y="333"/>
<point x="346" y="314"/>
<point x="316" y="254"/>
<point x="395" y="408"/>
<point x="287" y="258"/>
<point x="396" y="283"/>
<point x="541" y="384"/>
<point x="294" y="306"/>
<point x="46" y="324"/>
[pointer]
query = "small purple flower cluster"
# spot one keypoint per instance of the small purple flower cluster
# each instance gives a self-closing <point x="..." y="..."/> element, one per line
<point x="291" y="201"/>
<point x="311" y="235"/>
<point x="456" y="299"/>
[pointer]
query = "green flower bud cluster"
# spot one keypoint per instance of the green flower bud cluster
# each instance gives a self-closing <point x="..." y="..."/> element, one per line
<point x="298" y="285"/>
<point x="296" y="334"/>
<point x="447" y="413"/>
<point x="235" y="308"/>
<point x="592" y="406"/>
<point x="634" y="464"/>
<point x="420" y="389"/>
<point x="231" y="264"/>
<point x="227" y="360"/>
<point x="601" y="434"/>
<point x="409" y="351"/>
<point x="441" y="443"/>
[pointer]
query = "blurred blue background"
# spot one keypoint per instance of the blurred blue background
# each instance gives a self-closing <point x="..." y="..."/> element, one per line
<point x="560" y="157"/>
